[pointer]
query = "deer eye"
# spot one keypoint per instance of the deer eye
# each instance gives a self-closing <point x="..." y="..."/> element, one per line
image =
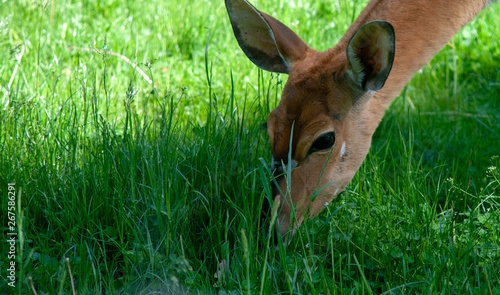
<point x="323" y="142"/>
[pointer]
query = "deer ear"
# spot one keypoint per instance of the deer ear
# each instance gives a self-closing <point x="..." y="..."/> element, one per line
<point x="268" y="43"/>
<point x="370" y="53"/>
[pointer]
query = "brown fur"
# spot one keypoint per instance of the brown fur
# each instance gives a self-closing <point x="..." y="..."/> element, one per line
<point x="319" y="97"/>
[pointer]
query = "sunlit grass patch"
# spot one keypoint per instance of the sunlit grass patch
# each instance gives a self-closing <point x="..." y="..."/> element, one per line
<point x="156" y="184"/>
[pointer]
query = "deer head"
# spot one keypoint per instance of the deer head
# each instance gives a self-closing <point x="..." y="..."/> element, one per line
<point x="322" y="128"/>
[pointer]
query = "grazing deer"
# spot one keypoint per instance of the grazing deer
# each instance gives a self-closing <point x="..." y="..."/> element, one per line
<point x="334" y="100"/>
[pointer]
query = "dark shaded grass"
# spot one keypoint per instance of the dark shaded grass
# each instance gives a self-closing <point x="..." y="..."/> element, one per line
<point x="144" y="193"/>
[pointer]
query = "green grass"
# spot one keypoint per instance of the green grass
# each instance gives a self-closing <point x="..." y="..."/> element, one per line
<point x="151" y="187"/>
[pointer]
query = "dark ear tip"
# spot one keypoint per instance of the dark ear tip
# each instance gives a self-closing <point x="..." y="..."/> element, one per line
<point x="374" y="26"/>
<point x="368" y="39"/>
<point x="385" y="24"/>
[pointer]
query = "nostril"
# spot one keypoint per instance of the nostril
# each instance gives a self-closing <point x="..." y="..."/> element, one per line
<point x="278" y="171"/>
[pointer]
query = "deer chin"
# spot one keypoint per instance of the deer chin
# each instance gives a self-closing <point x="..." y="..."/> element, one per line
<point x="303" y="202"/>
<point x="311" y="189"/>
